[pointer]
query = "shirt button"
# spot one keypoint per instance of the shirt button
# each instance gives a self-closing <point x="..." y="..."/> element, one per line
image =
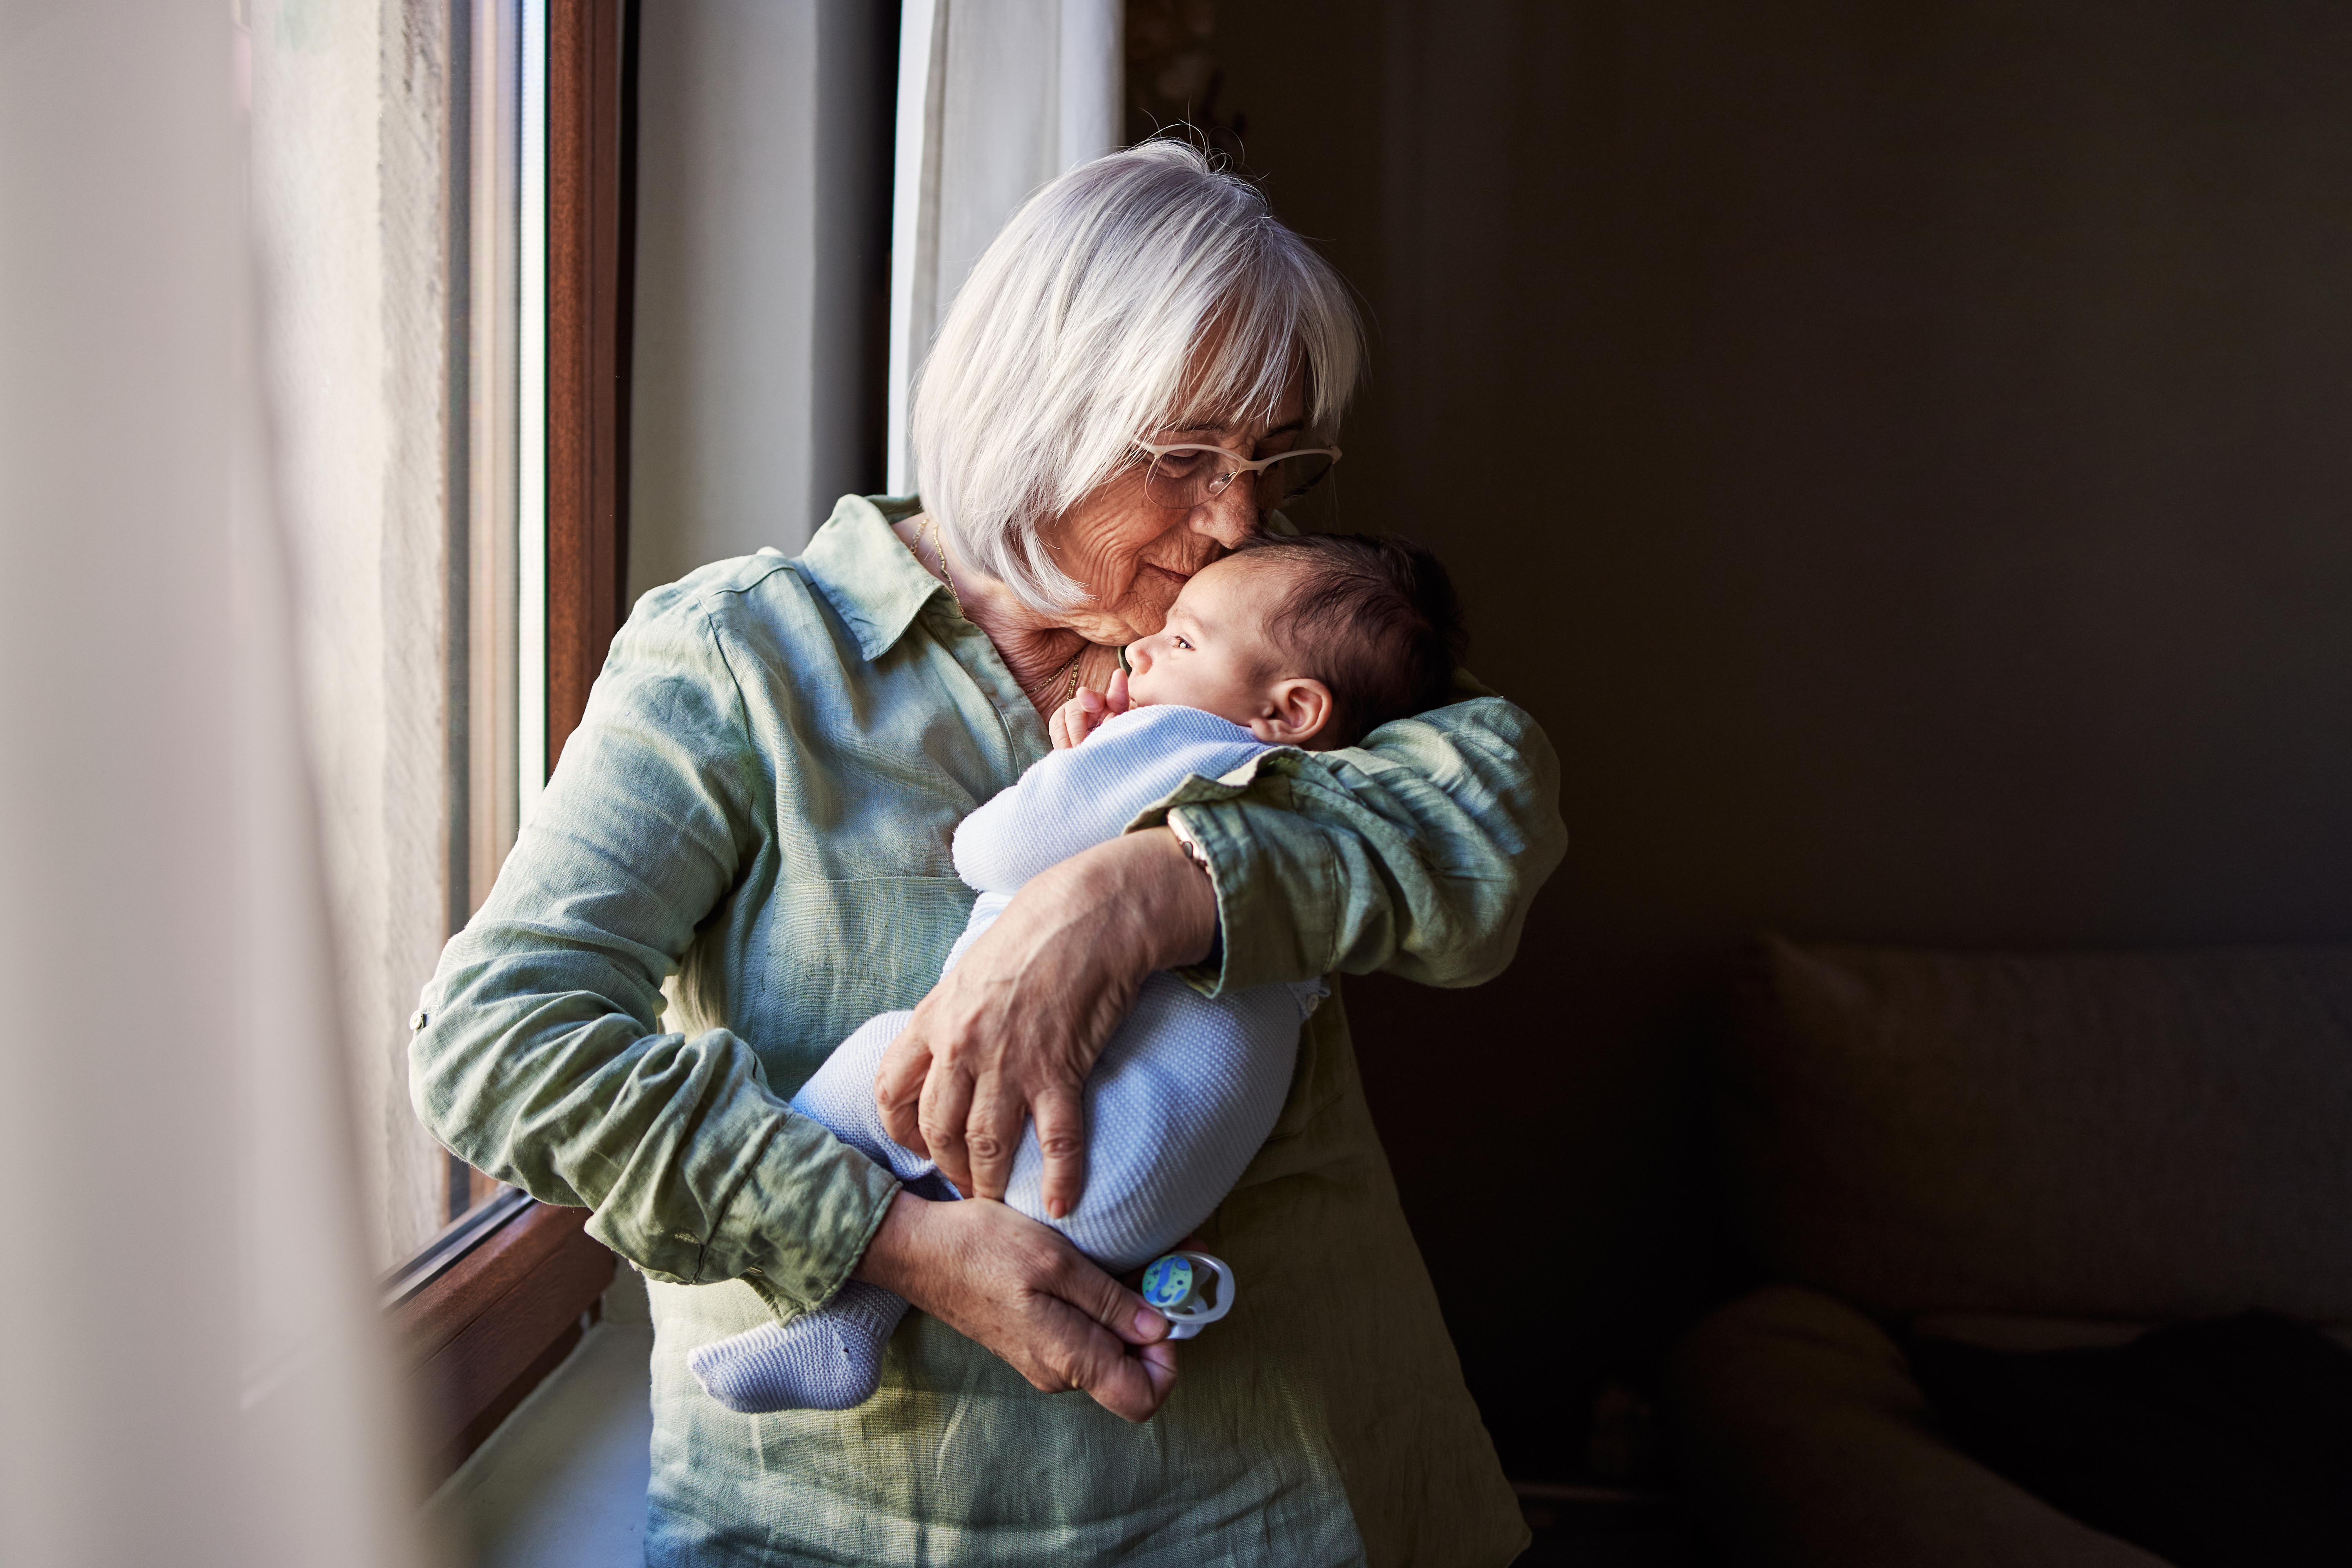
<point x="416" y="1020"/>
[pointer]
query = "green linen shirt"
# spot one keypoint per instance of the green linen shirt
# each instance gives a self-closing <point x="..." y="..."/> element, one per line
<point x="743" y="855"/>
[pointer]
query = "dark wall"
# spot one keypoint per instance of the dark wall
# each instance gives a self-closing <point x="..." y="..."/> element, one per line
<point x="1903" y="453"/>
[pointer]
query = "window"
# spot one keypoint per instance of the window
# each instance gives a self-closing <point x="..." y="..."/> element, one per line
<point x="440" y="198"/>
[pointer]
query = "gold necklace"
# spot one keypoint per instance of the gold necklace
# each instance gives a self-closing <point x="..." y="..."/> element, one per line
<point x="1070" y="684"/>
<point x="940" y="551"/>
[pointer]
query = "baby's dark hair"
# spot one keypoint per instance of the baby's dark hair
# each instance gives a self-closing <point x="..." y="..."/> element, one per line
<point x="1374" y="619"/>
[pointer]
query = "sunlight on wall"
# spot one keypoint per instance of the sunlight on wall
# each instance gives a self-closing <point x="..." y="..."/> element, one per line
<point x="351" y="218"/>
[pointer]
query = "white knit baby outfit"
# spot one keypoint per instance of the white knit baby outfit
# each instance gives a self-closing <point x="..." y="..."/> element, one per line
<point x="1178" y="1104"/>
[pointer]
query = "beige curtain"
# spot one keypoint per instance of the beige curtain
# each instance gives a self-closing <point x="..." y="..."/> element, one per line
<point x="192" y="1362"/>
<point x="995" y="97"/>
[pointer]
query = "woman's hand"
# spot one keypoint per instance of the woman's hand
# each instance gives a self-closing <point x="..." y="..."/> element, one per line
<point x="1013" y="1030"/>
<point x="1074" y="721"/>
<point x="1019" y="1288"/>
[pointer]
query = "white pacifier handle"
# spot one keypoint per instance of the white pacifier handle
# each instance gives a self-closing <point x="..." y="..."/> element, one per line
<point x="1190" y="1289"/>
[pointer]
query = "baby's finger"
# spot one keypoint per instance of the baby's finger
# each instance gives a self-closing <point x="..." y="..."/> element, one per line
<point x="1116" y="699"/>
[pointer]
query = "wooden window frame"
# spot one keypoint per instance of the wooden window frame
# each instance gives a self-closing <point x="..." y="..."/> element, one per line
<point x="480" y="1334"/>
<point x="591" y="273"/>
<point x="482" y="1326"/>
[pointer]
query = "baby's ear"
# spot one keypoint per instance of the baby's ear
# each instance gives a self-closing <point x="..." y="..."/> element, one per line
<point x="1302" y="711"/>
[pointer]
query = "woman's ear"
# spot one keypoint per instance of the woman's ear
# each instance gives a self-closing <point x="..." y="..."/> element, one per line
<point x="1300" y="707"/>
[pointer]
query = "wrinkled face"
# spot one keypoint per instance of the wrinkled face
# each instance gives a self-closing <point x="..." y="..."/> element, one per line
<point x="1212" y="652"/>
<point x="1135" y="556"/>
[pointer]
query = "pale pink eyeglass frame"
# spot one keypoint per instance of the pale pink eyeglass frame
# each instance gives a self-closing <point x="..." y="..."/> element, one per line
<point x="1241" y="465"/>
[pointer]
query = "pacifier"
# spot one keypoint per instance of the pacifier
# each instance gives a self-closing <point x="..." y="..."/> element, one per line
<point x="1190" y="1289"/>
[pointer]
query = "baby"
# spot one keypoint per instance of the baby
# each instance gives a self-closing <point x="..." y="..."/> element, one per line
<point x="1309" y="642"/>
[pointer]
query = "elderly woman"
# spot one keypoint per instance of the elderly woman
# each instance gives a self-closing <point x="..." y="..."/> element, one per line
<point x="759" y="802"/>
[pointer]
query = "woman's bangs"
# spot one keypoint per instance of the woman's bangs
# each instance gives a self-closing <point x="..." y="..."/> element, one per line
<point x="1242" y="357"/>
<point x="1271" y="323"/>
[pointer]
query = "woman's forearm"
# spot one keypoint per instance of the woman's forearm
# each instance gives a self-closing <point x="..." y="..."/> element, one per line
<point x="1158" y="903"/>
<point x="539" y="1054"/>
<point x="1019" y="1288"/>
<point x="1014" y="1028"/>
<point x="1421" y="859"/>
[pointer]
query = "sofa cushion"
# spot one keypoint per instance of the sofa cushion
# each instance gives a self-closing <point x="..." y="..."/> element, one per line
<point x="2144" y="1136"/>
<point x="1803" y="1442"/>
<point x="2212" y="1444"/>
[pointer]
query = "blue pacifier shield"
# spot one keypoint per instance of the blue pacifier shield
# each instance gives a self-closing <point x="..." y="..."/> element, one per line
<point x="1168" y="1283"/>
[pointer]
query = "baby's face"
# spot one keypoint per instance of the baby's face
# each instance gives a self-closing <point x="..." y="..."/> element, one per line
<point x="1214" y="654"/>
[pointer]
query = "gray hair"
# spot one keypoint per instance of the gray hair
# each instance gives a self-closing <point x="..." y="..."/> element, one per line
<point x="1076" y="334"/>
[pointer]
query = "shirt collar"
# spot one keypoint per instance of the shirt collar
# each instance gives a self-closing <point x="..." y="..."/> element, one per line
<point x="871" y="580"/>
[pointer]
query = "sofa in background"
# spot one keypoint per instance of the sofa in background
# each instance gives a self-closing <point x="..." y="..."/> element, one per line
<point x="2020" y="1151"/>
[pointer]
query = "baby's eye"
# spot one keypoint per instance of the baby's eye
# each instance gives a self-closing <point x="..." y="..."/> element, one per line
<point x="1182" y="642"/>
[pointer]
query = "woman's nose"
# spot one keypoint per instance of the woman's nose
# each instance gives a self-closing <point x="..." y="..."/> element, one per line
<point x="1230" y="516"/>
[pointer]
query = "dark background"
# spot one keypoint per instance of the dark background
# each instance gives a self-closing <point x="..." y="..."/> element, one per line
<point x="1900" y="454"/>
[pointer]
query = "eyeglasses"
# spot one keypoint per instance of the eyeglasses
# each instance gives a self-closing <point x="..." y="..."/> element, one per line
<point x="1186" y="476"/>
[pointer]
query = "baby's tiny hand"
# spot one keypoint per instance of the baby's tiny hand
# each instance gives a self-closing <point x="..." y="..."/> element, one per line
<point x="1076" y="719"/>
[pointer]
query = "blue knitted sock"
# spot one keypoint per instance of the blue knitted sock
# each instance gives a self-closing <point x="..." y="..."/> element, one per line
<point x="830" y="1359"/>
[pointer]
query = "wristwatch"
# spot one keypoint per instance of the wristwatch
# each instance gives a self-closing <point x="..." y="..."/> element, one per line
<point x="1193" y="850"/>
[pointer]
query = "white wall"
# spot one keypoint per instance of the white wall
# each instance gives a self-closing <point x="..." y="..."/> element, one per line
<point x="773" y="276"/>
<point x="757" y="188"/>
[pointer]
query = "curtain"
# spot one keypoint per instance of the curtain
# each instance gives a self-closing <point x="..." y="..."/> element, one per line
<point x="192" y="1360"/>
<point x="995" y="97"/>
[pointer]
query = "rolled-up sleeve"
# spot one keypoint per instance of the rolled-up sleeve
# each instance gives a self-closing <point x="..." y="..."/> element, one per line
<point x="538" y="1057"/>
<point x="1417" y="852"/>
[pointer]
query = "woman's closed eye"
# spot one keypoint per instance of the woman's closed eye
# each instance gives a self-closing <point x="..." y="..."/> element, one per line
<point x="1178" y="462"/>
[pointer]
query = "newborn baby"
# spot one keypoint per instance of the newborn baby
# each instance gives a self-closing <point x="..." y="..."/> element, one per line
<point x="1311" y="642"/>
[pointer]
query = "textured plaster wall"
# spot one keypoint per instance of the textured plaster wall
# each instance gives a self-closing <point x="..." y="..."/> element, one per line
<point x="347" y="103"/>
